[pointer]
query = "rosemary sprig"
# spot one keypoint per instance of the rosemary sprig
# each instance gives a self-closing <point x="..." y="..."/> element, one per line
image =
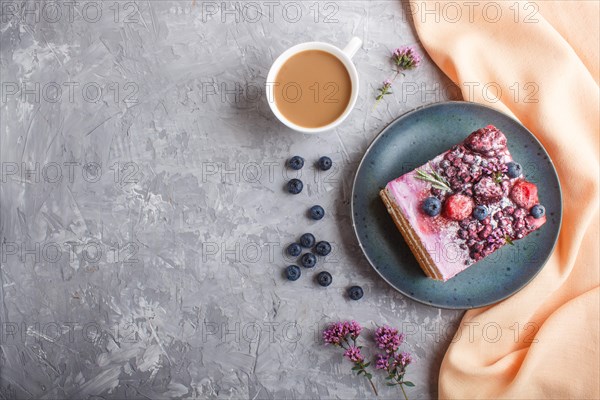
<point x="509" y="240"/>
<point x="436" y="180"/>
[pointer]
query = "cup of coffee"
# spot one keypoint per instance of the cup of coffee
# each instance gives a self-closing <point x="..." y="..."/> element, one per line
<point x="313" y="86"/>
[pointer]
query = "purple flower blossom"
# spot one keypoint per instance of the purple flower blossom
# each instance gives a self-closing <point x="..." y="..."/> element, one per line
<point x="406" y="58"/>
<point x="382" y="361"/>
<point x="388" y="338"/>
<point x="353" y="354"/>
<point x="354" y="328"/>
<point x="337" y="333"/>
<point x="404" y="359"/>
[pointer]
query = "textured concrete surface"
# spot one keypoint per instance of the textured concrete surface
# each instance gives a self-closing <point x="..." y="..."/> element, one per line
<point x="142" y="208"/>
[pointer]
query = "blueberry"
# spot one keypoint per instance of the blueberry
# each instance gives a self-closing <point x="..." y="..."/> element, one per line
<point x="293" y="272"/>
<point x="355" y="293"/>
<point x="514" y="169"/>
<point x="317" y="212"/>
<point x="538" y="211"/>
<point x="432" y="206"/>
<point x="295" y="186"/>
<point x="307" y="240"/>
<point x="324" y="278"/>
<point x="296" y="162"/>
<point x="325" y="163"/>
<point x="323" y="248"/>
<point x="480" y="213"/>
<point x="308" y="260"/>
<point x="294" y="249"/>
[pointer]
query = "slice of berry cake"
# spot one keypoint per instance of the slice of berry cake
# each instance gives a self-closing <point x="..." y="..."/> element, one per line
<point x="464" y="204"/>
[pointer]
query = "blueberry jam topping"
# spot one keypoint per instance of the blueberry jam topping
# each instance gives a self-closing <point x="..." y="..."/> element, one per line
<point x="296" y="162"/>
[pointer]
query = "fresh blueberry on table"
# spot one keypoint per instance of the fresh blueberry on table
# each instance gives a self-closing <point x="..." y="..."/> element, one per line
<point x="355" y="293"/>
<point x="514" y="169"/>
<point x="325" y="163"/>
<point x="480" y="213"/>
<point x="324" y="278"/>
<point x="307" y="240"/>
<point x="296" y="162"/>
<point x="295" y="186"/>
<point x="317" y="212"/>
<point x="293" y="272"/>
<point x="432" y="206"/>
<point x="294" y="249"/>
<point x="538" y="211"/>
<point x="308" y="260"/>
<point x="323" y="248"/>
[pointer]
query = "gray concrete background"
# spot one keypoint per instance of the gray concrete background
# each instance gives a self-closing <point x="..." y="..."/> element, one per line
<point x="142" y="257"/>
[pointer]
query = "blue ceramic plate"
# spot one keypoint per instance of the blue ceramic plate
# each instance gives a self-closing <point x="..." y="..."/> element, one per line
<point x="409" y="142"/>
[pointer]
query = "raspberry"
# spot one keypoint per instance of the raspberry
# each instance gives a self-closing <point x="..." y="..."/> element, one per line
<point x="520" y="213"/>
<point x="487" y="190"/>
<point x="451" y="171"/>
<point x="524" y="194"/>
<point x="469" y="158"/>
<point x="458" y="207"/>
<point x="487" y="140"/>
<point x="485" y="232"/>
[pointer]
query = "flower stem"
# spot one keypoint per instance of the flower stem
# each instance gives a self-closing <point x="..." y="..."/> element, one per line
<point x="403" y="392"/>
<point x="374" y="389"/>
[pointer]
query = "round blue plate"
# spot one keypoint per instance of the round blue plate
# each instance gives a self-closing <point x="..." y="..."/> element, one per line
<point x="408" y="143"/>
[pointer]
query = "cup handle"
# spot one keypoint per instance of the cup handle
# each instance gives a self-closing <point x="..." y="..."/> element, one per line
<point x="352" y="47"/>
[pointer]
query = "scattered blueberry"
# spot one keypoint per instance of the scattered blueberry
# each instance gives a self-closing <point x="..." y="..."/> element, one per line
<point x="308" y="260"/>
<point x="514" y="169"/>
<point x="480" y="213"/>
<point x="293" y="272"/>
<point x="307" y="240"/>
<point x="432" y="206"/>
<point x="324" y="278"/>
<point x="296" y="162"/>
<point x="294" y="249"/>
<point x="323" y="248"/>
<point x="325" y="163"/>
<point x="355" y="293"/>
<point x="538" y="211"/>
<point x="317" y="212"/>
<point x="295" y="186"/>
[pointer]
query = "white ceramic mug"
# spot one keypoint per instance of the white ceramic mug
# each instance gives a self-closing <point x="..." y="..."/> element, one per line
<point x="345" y="56"/>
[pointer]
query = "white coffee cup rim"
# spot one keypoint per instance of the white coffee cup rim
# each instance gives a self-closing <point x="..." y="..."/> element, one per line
<point x="345" y="56"/>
